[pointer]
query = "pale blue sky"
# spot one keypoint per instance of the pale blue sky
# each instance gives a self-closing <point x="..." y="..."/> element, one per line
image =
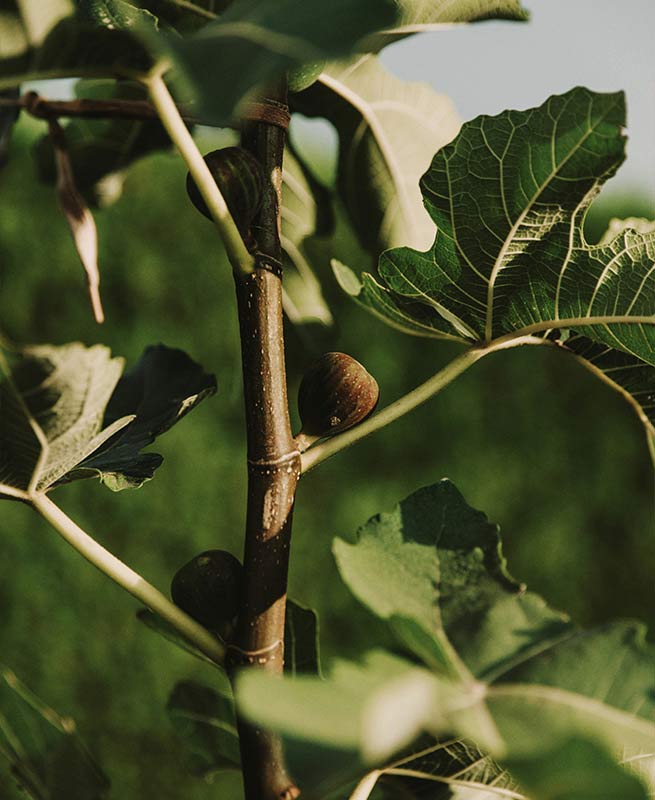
<point x="491" y="66"/>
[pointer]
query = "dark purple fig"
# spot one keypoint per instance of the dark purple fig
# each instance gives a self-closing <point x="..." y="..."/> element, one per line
<point x="240" y="178"/>
<point x="335" y="394"/>
<point x="208" y="588"/>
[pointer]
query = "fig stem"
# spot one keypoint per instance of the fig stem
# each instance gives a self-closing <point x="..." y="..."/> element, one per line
<point x="304" y="441"/>
<point x="127" y="578"/>
<point x="240" y="258"/>
<point x="410" y="401"/>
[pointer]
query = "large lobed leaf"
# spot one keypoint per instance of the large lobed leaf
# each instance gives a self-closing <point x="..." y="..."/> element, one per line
<point x="68" y="414"/>
<point x="508" y="197"/>
<point x="436" y="564"/>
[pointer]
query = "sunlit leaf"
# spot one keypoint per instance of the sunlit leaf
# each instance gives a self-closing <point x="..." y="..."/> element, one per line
<point x="68" y="414"/>
<point x="388" y="132"/>
<point x="417" y="16"/>
<point x="508" y="198"/>
<point x="433" y="567"/>
<point x="576" y="770"/>
<point x="437" y="563"/>
<point x="361" y="714"/>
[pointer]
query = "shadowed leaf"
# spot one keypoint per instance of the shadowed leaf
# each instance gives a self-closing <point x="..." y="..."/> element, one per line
<point x="301" y="642"/>
<point x="256" y="41"/>
<point x="206" y="725"/>
<point x="61" y="38"/>
<point x="48" y="760"/>
<point x="101" y="150"/>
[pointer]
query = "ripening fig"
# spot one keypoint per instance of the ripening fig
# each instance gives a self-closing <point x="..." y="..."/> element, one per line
<point x="336" y="393"/>
<point x="240" y="178"/>
<point x="208" y="588"/>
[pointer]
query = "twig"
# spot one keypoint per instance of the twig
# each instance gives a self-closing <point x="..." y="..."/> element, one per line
<point x="127" y="578"/>
<point x="42" y="108"/>
<point x="320" y="452"/>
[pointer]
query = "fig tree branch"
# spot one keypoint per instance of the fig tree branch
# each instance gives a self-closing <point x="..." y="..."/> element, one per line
<point x="273" y="463"/>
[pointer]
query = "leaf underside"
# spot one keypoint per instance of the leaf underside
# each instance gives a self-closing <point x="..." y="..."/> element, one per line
<point x="388" y="130"/>
<point x="306" y="213"/>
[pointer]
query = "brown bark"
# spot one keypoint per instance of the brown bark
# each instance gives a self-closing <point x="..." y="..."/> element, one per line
<point x="273" y="469"/>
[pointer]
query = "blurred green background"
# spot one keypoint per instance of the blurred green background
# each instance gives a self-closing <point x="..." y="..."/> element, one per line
<point x="547" y="451"/>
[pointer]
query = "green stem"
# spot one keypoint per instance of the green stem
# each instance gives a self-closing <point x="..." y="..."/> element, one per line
<point x="408" y="402"/>
<point x="242" y="261"/>
<point x="127" y="578"/>
<point x="366" y="785"/>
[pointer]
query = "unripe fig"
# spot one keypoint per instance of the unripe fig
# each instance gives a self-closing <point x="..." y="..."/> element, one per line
<point x="240" y="178"/>
<point x="303" y="76"/>
<point x="208" y="588"/>
<point x="336" y="393"/>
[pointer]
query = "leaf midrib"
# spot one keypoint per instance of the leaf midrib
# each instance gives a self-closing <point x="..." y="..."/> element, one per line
<point x="498" y="264"/>
<point x="367" y="111"/>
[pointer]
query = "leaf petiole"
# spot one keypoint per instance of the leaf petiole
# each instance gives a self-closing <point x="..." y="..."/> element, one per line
<point x="410" y="401"/>
<point x="241" y="259"/>
<point x="127" y="578"/>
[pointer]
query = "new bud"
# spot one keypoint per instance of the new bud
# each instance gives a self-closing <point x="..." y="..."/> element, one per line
<point x="208" y="588"/>
<point x="335" y="394"/>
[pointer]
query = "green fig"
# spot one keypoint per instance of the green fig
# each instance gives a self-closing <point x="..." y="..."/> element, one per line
<point x="209" y="587"/>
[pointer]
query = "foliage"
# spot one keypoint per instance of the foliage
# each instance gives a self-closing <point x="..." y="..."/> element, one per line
<point x="467" y="682"/>
<point x="68" y="414"/>
<point x="520" y="680"/>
